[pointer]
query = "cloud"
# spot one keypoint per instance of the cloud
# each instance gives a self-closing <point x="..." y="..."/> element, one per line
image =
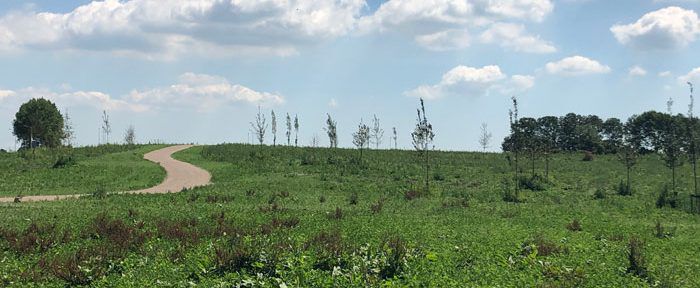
<point x="667" y="28"/>
<point x="434" y="23"/>
<point x="473" y="82"/>
<point x="664" y="74"/>
<point x="513" y="36"/>
<point x="164" y="29"/>
<point x="199" y="91"/>
<point x="637" y="71"/>
<point x="576" y="65"/>
<point x="205" y="92"/>
<point x="333" y="103"/>
<point x="693" y="76"/>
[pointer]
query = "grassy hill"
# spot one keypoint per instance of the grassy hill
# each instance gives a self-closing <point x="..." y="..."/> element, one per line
<point x="324" y="217"/>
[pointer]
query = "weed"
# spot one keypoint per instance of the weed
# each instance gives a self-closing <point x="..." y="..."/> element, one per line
<point x="574" y="226"/>
<point x="623" y="189"/>
<point x="588" y="156"/>
<point x="412" y="194"/>
<point x="542" y="246"/>
<point x="377" y="207"/>
<point x="76" y="269"/>
<point x="336" y="215"/>
<point x="322" y="199"/>
<point x="353" y="199"/>
<point x="666" y="198"/>
<point x="663" y="232"/>
<point x="635" y="256"/>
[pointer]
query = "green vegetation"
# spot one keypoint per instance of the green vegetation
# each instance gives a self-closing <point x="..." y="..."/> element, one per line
<point x="77" y="170"/>
<point x="324" y="217"/>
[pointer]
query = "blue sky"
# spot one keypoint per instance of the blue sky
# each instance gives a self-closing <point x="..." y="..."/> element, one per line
<point x="196" y="71"/>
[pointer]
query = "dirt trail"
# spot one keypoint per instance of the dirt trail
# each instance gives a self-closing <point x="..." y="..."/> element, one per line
<point x="180" y="175"/>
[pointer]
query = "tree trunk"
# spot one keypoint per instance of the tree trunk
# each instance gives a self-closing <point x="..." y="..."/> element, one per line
<point x="427" y="172"/>
<point x="546" y="165"/>
<point x="695" y="175"/>
<point x="628" y="178"/>
<point x="532" y="155"/>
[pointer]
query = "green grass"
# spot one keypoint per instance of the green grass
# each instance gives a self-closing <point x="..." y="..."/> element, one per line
<point x="109" y="167"/>
<point x="278" y="231"/>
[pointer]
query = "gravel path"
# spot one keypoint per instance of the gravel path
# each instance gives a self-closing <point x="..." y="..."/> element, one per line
<point x="180" y="175"/>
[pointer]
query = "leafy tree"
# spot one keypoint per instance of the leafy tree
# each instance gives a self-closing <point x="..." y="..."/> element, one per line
<point x="130" y="135"/>
<point x="377" y="132"/>
<point x="692" y="139"/>
<point x="38" y="123"/>
<point x="514" y="144"/>
<point x="361" y="138"/>
<point x="529" y="139"/>
<point x="331" y="130"/>
<point x="289" y="130"/>
<point x="274" y="128"/>
<point x="613" y="132"/>
<point x="423" y="136"/>
<point x="671" y="147"/>
<point x="627" y="153"/>
<point x="485" y="137"/>
<point x="106" y="127"/>
<point x="259" y="127"/>
<point x="546" y="131"/>
<point x="296" y="130"/>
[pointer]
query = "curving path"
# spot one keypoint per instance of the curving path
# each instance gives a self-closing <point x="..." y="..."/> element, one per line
<point x="180" y="176"/>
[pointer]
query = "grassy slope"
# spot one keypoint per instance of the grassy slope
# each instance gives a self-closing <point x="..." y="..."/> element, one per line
<point x="480" y="245"/>
<point x="112" y="168"/>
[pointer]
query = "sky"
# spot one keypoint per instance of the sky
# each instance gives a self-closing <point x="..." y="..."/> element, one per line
<point x="184" y="71"/>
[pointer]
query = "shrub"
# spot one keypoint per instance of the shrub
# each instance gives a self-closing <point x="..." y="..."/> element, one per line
<point x="599" y="193"/>
<point x="377" y="207"/>
<point x="219" y="198"/>
<point x="623" y="189"/>
<point x="121" y="237"/>
<point x="328" y="247"/>
<point x="284" y="194"/>
<point x="336" y="215"/>
<point x="233" y="257"/>
<point x="574" y="226"/>
<point x="277" y="223"/>
<point x="184" y="231"/>
<point x="543" y="247"/>
<point x="64" y="161"/>
<point x="353" y="199"/>
<point x="510" y="194"/>
<point x="250" y="192"/>
<point x="100" y="192"/>
<point x="76" y="269"/>
<point x="635" y="256"/>
<point x="396" y="258"/>
<point x="666" y="198"/>
<point x="412" y="194"/>
<point x="438" y="176"/>
<point x="322" y="199"/>
<point x="588" y="156"/>
<point x="533" y="183"/>
<point x="662" y="232"/>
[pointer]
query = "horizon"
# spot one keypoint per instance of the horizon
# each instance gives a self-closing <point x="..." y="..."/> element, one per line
<point x="184" y="72"/>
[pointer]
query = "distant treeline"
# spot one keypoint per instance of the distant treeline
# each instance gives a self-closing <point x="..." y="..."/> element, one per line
<point x="645" y="132"/>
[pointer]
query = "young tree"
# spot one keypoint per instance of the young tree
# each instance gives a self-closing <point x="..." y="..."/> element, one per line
<point x="692" y="142"/>
<point x="314" y="141"/>
<point x="130" y="135"/>
<point x="296" y="130"/>
<point x="106" y="127"/>
<point x="627" y="154"/>
<point x="259" y="126"/>
<point x="289" y="130"/>
<point x="423" y="136"/>
<point x="274" y="128"/>
<point x="547" y="128"/>
<point x="331" y="130"/>
<point x="68" y="133"/>
<point x="485" y="137"/>
<point x="514" y="139"/>
<point x="361" y="138"/>
<point x="377" y="132"/>
<point x="396" y="137"/>
<point x="671" y="146"/>
<point x="38" y="122"/>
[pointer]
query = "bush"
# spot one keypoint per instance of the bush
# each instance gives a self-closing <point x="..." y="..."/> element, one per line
<point x="336" y="215"/>
<point x="412" y="194"/>
<point x="533" y="183"/>
<point x="635" y="256"/>
<point x="64" y="161"/>
<point x="588" y="156"/>
<point x="574" y="226"/>
<point x="377" y="207"/>
<point x="437" y="176"/>
<point x="510" y="193"/>
<point x="666" y="197"/>
<point x="599" y="193"/>
<point x="662" y="232"/>
<point x="353" y="199"/>
<point x="100" y="192"/>
<point x="543" y="247"/>
<point x="623" y="189"/>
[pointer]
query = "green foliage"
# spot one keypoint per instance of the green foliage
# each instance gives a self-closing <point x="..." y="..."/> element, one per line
<point x="667" y="197"/>
<point x="38" y="120"/>
<point x="623" y="189"/>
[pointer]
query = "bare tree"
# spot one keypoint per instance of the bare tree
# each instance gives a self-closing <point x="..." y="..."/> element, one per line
<point x="331" y="130"/>
<point x="68" y="133"/>
<point x="377" y="132"/>
<point x="289" y="130"/>
<point x="314" y="141"/>
<point x="296" y="130"/>
<point x="106" y="127"/>
<point x="485" y="138"/>
<point x="422" y="138"/>
<point x="274" y="128"/>
<point x="361" y="137"/>
<point x="130" y="135"/>
<point x="259" y="126"/>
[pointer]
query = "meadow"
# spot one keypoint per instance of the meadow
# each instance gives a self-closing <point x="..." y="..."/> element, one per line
<point x="288" y="217"/>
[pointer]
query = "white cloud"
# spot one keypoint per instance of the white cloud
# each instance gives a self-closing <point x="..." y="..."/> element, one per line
<point x="667" y="28"/>
<point x="692" y="76"/>
<point x="205" y="92"/>
<point x="333" y="103"/>
<point x="664" y="73"/>
<point x="434" y="23"/>
<point x="473" y="82"/>
<point x="637" y="71"/>
<point x="444" y="40"/>
<point x="514" y="36"/>
<point x="193" y="91"/>
<point x="576" y="65"/>
<point x="164" y="29"/>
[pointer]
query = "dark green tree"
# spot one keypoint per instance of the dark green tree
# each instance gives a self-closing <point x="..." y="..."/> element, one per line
<point x="547" y="128"/>
<point x="38" y="123"/>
